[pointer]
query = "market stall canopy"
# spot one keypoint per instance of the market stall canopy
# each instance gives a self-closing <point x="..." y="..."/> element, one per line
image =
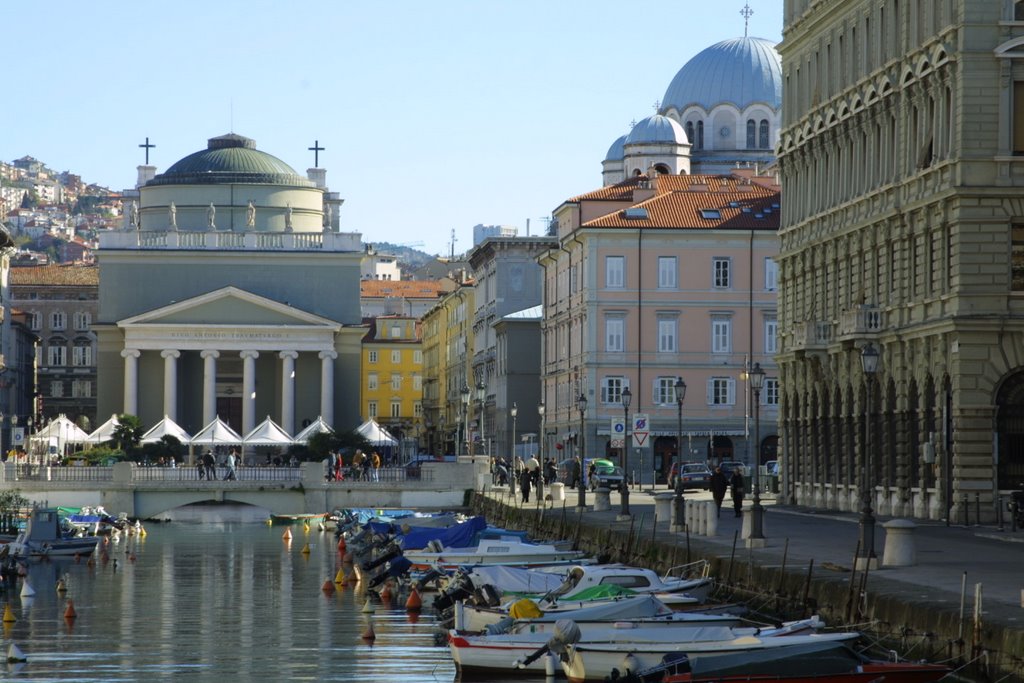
<point x="166" y="427"/>
<point x="105" y="432"/>
<point x="63" y="430"/>
<point x="217" y="433"/>
<point x="268" y="433"/>
<point x="376" y="434"/>
<point x="317" y="426"/>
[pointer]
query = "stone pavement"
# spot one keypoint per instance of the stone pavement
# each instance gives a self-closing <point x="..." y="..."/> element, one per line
<point x="946" y="555"/>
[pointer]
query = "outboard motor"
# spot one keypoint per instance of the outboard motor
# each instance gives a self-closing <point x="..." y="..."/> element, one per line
<point x="432" y="575"/>
<point x="486" y="596"/>
<point x="566" y="632"/>
<point x="388" y="555"/>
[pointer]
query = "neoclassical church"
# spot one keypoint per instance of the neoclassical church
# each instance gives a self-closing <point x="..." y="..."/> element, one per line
<point x="722" y="110"/>
<point x="902" y="164"/>
<point x="230" y="291"/>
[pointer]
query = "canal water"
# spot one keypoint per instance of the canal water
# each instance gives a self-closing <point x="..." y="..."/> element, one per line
<point x="214" y="602"/>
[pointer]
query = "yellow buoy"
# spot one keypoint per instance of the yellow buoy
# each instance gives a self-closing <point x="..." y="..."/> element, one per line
<point x="269" y="521"/>
<point x="62" y="587"/>
<point x="9" y="617"/>
<point x="142" y="532"/>
<point x="340" y="577"/>
<point x="305" y="549"/>
<point x="368" y="608"/>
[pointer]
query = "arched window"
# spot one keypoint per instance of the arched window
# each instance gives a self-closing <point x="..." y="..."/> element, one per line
<point x="1018" y="11"/>
<point x="764" y="134"/>
<point x="689" y="131"/>
<point x="751" y="134"/>
<point x="700" y="135"/>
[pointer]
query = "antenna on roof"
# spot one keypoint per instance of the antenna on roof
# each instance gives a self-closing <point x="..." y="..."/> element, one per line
<point x="232" y="115"/>
<point x="453" y="244"/>
<point x="745" y="13"/>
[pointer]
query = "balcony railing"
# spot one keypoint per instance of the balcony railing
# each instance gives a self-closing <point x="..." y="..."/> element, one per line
<point x="257" y="241"/>
<point x="862" y="320"/>
<point x="812" y="334"/>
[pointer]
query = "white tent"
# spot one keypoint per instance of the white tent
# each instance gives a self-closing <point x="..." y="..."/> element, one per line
<point x="60" y="432"/>
<point x="317" y="426"/>
<point x="105" y="432"/>
<point x="166" y="427"/>
<point x="217" y="433"/>
<point x="268" y="433"/>
<point x="376" y="434"/>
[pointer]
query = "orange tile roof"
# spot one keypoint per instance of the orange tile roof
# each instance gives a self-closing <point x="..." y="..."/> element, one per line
<point x="56" y="274"/>
<point x="618" y="192"/>
<point x="410" y="289"/>
<point x="680" y="200"/>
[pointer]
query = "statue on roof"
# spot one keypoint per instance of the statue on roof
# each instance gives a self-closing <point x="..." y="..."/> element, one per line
<point x="250" y="215"/>
<point x="133" y="215"/>
<point x="328" y="215"/>
<point x="172" y="217"/>
<point x="211" y="217"/>
<point x="288" y="218"/>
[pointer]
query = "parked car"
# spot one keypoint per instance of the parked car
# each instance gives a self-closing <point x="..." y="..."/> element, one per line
<point x="607" y="477"/>
<point x="696" y="475"/>
<point x="729" y="465"/>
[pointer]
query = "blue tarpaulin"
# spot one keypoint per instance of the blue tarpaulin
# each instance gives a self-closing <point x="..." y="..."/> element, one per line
<point x="457" y="536"/>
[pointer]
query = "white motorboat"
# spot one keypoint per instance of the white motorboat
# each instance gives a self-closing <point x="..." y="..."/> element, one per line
<point x="594" y="661"/>
<point x="638" y="608"/>
<point x="45" y="536"/>
<point x="517" y="649"/>
<point x="512" y="552"/>
<point x="690" y="582"/>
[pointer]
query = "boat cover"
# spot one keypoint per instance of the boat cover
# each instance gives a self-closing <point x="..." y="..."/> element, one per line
<point x="457" y="536"/>
<point x="524" y="609"/>
<point x="514" y="579"/>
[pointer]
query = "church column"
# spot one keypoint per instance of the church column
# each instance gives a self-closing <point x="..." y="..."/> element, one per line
<point x="248" y="390"/>
<point x="170" y="357"/>
<point x="327" y="385"/>
<point x="209" y="357"/>
<point x="131" y="380"/>
<point x="288" y="390"/>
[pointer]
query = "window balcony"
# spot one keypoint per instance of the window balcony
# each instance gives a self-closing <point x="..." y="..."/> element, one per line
<point x="861" y="321"/>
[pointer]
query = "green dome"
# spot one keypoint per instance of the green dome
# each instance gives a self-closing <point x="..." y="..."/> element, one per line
<point x="228" y="159"/>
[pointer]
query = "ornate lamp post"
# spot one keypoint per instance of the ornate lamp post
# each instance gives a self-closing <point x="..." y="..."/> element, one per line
<point x="514" y="412"/>
<point x="581" y="403"/>
<point x="481" y="393"/>
<point x="680" y="397"/>
<point x="869" y="356"/>
<point x="627" y="398"/>
<point x="756" y="377"/>
<point x="464" y="394"/>
<point x="540" y="442"/>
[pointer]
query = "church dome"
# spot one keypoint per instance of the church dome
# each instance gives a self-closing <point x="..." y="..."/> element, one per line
<point x="229" y="159"/>
<point x="656" y="129"/>
<point x="740" y="71"/>
<point x="616" y="152"/>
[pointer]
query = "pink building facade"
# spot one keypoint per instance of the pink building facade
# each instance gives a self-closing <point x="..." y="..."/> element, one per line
<point x="656" y="279"/>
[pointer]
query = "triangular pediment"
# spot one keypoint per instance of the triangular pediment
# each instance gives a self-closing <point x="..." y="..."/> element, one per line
<point x="228" y="306"/>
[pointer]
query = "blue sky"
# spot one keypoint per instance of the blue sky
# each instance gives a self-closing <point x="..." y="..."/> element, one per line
<point x="435" y="115"/>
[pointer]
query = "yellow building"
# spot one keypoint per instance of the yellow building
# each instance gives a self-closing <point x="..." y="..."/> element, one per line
<point x="447" y="343"/>
<point x="391" y="383"/>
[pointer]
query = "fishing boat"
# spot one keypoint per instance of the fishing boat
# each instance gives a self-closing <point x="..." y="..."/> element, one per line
<point x="522" y="647"/>
<point x="311" y="520"/>
<point x="46" y="536"/>
<point x="811" y="663"/>
<point x="690" y="584"/>
<point x="495" y="551"/>
<point x="593" y="661"/>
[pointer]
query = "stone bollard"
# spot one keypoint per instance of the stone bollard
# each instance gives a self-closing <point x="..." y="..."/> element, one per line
<point x="711" y="511"/>
<point x="602" y="500"/>
<point x="663" y="507"/>
<point x="679" y="525"/>
<point x="701" y="511"/>
<point x="900" y="549"/>
<point x="691" y="521"/>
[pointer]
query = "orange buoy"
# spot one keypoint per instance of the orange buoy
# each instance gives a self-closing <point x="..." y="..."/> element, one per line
<point x="70" y="612"/>
<point x="385" y="594"/>
<point x="368" y="634"/>
<point x="341" y="543"/>
<point x="287" y="535"/>
<point x="9" y="617"/>
<point x="131" y="558"/>
<point x="305" y="549"/>
<point x="412" y="617"/>
<point x="328" y="587"/>
<point x="414" y="603"/>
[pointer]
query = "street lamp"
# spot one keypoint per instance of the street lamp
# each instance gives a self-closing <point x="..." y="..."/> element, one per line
<point x="514" y="412"/>
<point x="464" y="393"/>
<point x="540" y="442"/>
<point x="756" y="377"/>
<point x="481" y="393"/>
<point x="627" y="398"/>
<point x="869" y="356"/>
<point x="581" y="403"/>
<point x="680" y="396"/>
<point x="28" y="450"/>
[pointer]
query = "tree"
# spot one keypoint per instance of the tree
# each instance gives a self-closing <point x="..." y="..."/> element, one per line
<point x="128" y="432"/>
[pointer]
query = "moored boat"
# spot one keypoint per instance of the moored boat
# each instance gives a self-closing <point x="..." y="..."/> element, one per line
<point x="44" y="536"/>
<point x="494" y="551"/>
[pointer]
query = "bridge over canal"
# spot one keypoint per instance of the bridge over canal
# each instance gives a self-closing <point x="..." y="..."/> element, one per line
<point x="151" y="492"/>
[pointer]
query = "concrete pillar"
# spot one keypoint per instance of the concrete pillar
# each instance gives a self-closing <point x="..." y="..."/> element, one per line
<point x="209" y="357"/>
<point x="663" y="507"/>
<point x="712" y="518"/>
<point x="288" y="390"/>
<point x="131" y="380"/>
<point x="248" y="390"/>
<point x="327" y="386"/>
<point x="602" y="500"/>
<point x="900" y="548"/>
<point x="170" y="357"/>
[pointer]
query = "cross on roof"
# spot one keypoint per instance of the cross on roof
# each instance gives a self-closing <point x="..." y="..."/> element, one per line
<point x="316" y="149"/>
<point x="657" y="106"/>
<point x="746" y="12"/>
<point x="148" y="147"/>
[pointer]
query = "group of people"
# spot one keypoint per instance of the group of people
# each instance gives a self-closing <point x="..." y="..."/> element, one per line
<point x="364" y="467"/>
<point x="526" y="474"/>
<point x="720" y="484"/>
<point x="206" y="465"/>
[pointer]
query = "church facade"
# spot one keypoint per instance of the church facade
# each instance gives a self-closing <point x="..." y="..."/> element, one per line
<point x="230" y="292"/>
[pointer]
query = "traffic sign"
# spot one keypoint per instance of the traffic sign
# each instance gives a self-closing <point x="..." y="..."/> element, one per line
<point x="18" y="436"/>
<point x="618" y="432"/>
<point x="641" y="430"/>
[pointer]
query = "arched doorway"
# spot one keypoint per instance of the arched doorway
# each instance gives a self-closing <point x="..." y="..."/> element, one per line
<point x="664" y="456"/>
<point x="1010" y="426"/>
<point x="721" y="449"/>
<point x="769" y="449"/>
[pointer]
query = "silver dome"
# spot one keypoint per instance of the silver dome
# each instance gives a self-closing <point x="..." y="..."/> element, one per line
<point x="740" y="71"/>
<point x="616" y="152"/>
<point x="655" y="129"/>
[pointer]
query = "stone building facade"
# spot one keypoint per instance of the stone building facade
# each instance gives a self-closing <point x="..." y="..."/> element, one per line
<point x="903" y="228"/>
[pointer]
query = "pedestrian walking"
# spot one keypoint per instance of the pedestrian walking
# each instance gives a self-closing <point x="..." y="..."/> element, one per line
<point x="737" y="486"/>
<point x="719" y="485"/>
<point x="331" y="467"/>
<point x="375" y="463"/>
<point x="211" y="468"/>
<point x="524" y="485"/>
<point x="230" y="474"/>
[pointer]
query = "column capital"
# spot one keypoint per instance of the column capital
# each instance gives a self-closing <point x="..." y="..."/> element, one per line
<point x="170" y="353"/>
<point x="327" y="354"/>
<point x="249" y="354"/>
<point x="288" y="354"/>
<point x="209" y="353"/>
<point x="130" y="353"/>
